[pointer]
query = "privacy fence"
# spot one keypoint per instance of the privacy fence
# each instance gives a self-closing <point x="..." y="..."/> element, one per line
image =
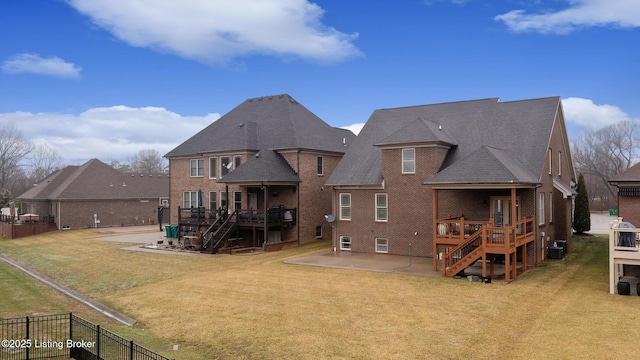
<point x="66" y="336"/>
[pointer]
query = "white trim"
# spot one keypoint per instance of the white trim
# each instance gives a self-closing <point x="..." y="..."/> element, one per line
<point x="342" y="244"/>
<point x="386" y="207"/>
<point x="321" y="158"/>
<point x="342" y="217"/>
<point x="386" y="245"/>
<point x="541" y="209"/>
<point x="214" y="167"/>
<point x="191" y="167"/>
<point x="409" y="161"/>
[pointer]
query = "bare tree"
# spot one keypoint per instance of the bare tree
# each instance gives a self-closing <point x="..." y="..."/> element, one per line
<point x="13" y="150"/>
<point x="603" y="154"/>
<point x="148" y="161"/>
<point x="43" y="160"/>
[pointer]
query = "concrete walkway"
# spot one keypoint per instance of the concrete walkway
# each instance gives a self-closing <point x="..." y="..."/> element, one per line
<point x="117" y="316"/>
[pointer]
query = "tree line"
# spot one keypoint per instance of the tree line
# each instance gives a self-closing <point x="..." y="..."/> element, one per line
<point x="24" y="163"/>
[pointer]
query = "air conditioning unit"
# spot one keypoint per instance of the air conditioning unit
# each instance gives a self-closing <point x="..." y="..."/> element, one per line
<point x="555" y="253"/>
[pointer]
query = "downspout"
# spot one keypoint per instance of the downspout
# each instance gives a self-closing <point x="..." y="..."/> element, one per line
<point x="334" y="229"/>
<point x="298" y="191"/>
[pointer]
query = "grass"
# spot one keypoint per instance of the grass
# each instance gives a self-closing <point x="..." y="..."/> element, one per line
<point x="256" y="307"/>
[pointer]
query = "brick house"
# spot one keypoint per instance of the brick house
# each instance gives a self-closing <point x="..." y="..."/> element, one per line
<point x="74" y="194"/>
<point x="259" y="169"/>
<point x="458" y="181"/>
<point x="628" y="184"/>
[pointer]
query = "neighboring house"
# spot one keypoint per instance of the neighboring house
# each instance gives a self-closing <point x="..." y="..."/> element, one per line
<point x="628" y="184"/>
<point x="264" y="163"/>
<point x="74" y="194"/>
<point x="458" y="181"/>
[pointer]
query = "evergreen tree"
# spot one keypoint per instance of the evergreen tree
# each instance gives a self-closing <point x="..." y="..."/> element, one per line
<point x="581" y="214"/>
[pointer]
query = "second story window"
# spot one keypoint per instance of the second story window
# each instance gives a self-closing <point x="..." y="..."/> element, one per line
<point x="345" y="206"/>
<point x="213" y="168"/>
<point x="381" y="207"/>
<point x="320" y="165"/>
<point x="197" y="167"/>
<point x="225" y="165"/>
<point x="409" y="161"/>
<point x="559" y="163"/>
<point x="237" y="160"/>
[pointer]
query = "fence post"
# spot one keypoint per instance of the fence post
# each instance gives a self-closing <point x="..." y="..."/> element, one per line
<point x="131" y="349"/>
<point x="97" y="342"/>
<point x="70" y="330"/>
<point x="27" y="337"/>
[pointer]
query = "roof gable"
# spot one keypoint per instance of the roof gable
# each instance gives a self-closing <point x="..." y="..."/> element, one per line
<point x="271" y="122"/>
<point x="520" y="128"/>
<point x="486" y="165"/>
<point x="420" y="131"/>
<point x="266" y="166"/>
<point x="97" y="180"/>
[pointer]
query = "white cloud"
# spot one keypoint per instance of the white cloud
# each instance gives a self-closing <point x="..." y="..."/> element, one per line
<point x="355" y="128"/>
<point x="221" y="30"/>
<point x="34" y="64"/>
<point x="585" y="113"/>
<point x="108" y="133"/>
<point x="581" y="13"/>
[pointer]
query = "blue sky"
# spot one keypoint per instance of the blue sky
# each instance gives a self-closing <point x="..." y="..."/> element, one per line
<point x="107" y="78"/>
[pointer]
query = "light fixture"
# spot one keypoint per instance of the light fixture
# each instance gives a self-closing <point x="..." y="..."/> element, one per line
<point x="484" y="203"/>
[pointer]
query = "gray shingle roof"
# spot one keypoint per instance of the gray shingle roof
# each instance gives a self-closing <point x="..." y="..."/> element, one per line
<point x="632" y="174"/>
<point x="419" y="131"/>
<point x="486" y="165"/>
<point x="266" y="166"/>
<point x="97" y="180"/>
<point x="521" y="129"/>
<point x="270" y="122"/>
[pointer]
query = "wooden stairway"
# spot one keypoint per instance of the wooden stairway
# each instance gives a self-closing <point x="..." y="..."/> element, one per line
<point x="219" y="232"/>
<point x="464" y="255"/>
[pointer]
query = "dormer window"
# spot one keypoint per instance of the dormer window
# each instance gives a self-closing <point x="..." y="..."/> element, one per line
<point x="409" y="161"/>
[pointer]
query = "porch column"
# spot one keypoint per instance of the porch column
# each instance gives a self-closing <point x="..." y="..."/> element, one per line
<point x="434" y="229"/>
<point x="266" y="217"/>
<point x="514" y="218"/>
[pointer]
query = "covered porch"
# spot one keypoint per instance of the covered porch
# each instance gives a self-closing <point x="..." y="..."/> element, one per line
<point x="499" y="227"/>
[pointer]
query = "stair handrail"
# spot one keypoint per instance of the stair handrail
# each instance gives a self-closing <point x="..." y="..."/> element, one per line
<point x="448" y="260"/>
<point x="227" y="221"/>
<point x="206" y="239"/>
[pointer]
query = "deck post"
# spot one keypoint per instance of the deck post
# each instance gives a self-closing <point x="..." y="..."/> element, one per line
<point x="434" y="230"/>
<point x="507" y="267"/>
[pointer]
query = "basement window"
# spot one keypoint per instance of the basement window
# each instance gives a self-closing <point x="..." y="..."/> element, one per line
<point x="345" y="243"/>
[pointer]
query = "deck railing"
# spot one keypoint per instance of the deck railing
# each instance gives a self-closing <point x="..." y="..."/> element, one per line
<point x="275" y="215"/>
<point x="459" y="229"/>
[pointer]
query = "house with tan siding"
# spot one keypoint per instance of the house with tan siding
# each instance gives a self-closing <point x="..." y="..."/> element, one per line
<point x="481" y="180"/>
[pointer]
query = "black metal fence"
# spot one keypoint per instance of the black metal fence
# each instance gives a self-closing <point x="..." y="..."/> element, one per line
<point x="66" y="336"/>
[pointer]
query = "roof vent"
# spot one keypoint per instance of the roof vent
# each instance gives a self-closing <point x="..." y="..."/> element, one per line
<point x="124" y="184"/>
<point x="439" y="127"/>
<point x="241" y="125"/>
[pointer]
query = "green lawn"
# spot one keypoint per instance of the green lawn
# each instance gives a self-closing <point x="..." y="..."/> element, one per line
<point x="256" y="307"/>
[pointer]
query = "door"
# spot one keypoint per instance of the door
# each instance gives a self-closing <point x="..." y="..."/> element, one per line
<point x="253" y="201"/>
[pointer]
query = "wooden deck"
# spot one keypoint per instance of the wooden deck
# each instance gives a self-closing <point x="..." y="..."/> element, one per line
<point x="246" y="217"/>
<point x="459" y="243"/>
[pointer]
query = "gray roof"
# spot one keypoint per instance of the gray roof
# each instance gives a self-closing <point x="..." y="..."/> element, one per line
<point x="97" y="180"/>
<point x="520" y="129"/>
<point x="419" y="132"/>
<point x="270" y="122"/>
<point x="266" y="166"/>
<point x="486" y="165"/>
<point x="631" y="175"/>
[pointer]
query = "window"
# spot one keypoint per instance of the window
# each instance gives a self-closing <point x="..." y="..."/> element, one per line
<point x="559" y="163"/>
<point x="319" y="232"/>
<point x="190" y="199"/>
<point x="237" y="200"/>
<point x="382" y="246"/>
<point x="381" y="207"/>
<point x="223" y="200"/>
<point x="197" y="167"/>
<point x="237" y="160"/>
<point x="213" y="200"/>
<point x="550" y="207"/>
<point x="541" y="217"/>
<point x="320" y="165"/>
<point x="345" y="243"/>
<point x="225" y="165"/>
<point x="213" y="167"/>
<point x="408" y="161"/>
<point x="345" y="206"/>
<point x="550" y="160"/>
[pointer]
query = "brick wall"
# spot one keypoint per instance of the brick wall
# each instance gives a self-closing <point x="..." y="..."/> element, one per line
<point x="629" y="209"/>
<point x="79" y="214"/>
